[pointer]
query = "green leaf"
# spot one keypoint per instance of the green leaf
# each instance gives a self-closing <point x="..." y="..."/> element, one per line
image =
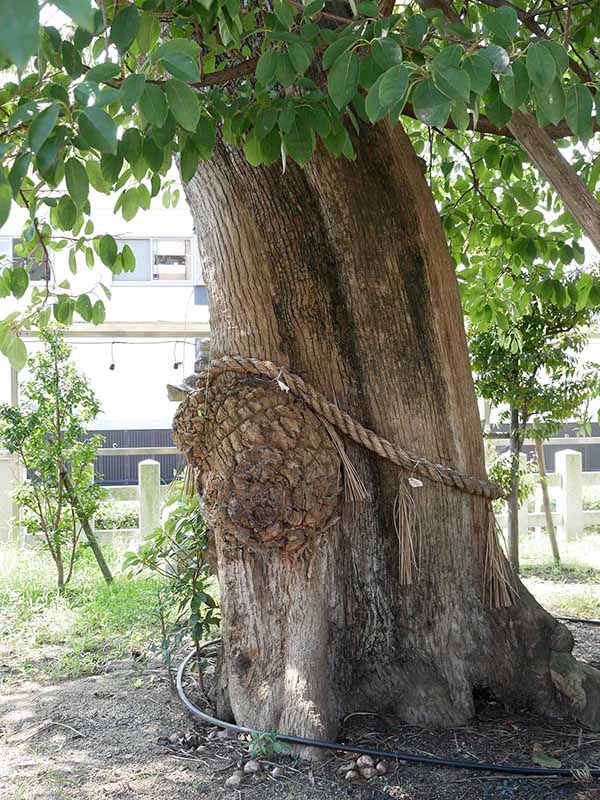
<point x="19" y="281"/>
<point x="551" y="101"/>
<point x="300" y="56"/>
<point x="393" y="86"/>
<point x="342" y="80"/>
<point x="19" y="30"/>
<point x="66" y="213"/>
<point x="176" y="47"/>
<point x="514" y="89"/>
<point x="454" y="83"/>
<point x="183" y="103"/>
<point x="182" y="67"/>
<point x="98" y="130"/>
<point x="111" y="167"/>
<point x="284" y="13"/>
<point x="63" y="309"/>
<point x="450" y="56"/>
<point x="252" y="149"/>
<point x="189" y="162"/>
<point x="266" y="119"/>
<point x="98" y="312"/>
<point x="16" y="352"/>
<point x="373" y="106"/>
<point x="430" y="105"/>
<point x="415" y="29"/>
<point x="579" y="111"/>
<point x="479" y="70"/>
<point x="107" y="250"/>
<point x="131" y="90"/>
<point x="80" y="11"/>
<point x="386" y="52"/>
<point x="128" y="258"/>
<point x="71" y="60"/>
<point x="130" y="146"/>
<point x="544" y="760"/>
<point x="124" y="27"/>
<point x="17" y="173"/>
<point x="286" y="72"/>
<point x="83" y="306"/>
<point x="266" y="69"/>
<point x="77" y="182"/>
<point x="103" y="73"/>
<point x="153" y="104"/>
<point x="153" y="155"/>
<point x="541" y="66"/>
<point x="560" y="56"/>
<point x="497" y="57"/>
<point x="336" y="48"/>
<point x="129" y="205"/>
<point x="148" y="32"/>
<point x="503" y="23"/>
<point x="299" y="142"/>
<point x="42" y="126"/>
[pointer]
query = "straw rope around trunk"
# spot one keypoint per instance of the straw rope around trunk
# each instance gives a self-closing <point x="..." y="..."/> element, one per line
<point x="416" y="465"/>
<point x="497" y="579"/>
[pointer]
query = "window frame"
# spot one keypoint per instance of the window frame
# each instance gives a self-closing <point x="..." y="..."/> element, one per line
<point x="11" y="237"/>
<point x="195" y="278"/>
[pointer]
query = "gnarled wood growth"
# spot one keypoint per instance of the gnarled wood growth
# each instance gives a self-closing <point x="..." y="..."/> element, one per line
<point x="340" y="272"/>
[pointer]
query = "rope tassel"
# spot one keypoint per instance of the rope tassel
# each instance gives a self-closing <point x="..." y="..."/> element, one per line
<point x="408" y="531"/>
<point x="497" y="576"/>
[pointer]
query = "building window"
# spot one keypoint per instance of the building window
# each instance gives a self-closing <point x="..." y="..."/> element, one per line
<point x="142" y="251"/>
<point x="172" y="260"/>
<point x="158" y="260"/>
<point x="36" y="263"/>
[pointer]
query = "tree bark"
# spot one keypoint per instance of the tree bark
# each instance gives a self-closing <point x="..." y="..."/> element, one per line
<point x="571" y="189"/>
<point x="340" y="272"/>
<point x="512" y="501"/>
<point x="539" y="447"/>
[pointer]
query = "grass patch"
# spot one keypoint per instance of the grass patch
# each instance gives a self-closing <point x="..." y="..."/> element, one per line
<point x="573" y="589"/>
<point x="76" y="633"/>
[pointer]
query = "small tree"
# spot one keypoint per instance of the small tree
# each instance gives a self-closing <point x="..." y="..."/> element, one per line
<point x="47" y="431"/>
<point x="533" y="366"/>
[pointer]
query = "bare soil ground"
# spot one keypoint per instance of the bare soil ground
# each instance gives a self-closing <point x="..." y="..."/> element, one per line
<point x="121" y="734"/>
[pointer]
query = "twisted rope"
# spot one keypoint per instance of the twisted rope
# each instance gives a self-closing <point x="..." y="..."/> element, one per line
<point x="408" y="461"/>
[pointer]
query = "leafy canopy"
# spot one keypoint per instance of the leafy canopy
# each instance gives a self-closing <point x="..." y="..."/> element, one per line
<point x="536" y="366"/>
<point x="110" y="99"/>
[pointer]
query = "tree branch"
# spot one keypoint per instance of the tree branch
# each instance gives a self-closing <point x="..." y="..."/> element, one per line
<point x="533" y="26"/>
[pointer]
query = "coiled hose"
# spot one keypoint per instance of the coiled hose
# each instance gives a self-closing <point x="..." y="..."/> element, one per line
<point x="322" y="744"/>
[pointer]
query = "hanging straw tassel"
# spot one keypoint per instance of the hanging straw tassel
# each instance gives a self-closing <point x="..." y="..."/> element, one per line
<point x="497" y="576"/>
<point x="354" y="489"/>
<point x="408" y="531"/>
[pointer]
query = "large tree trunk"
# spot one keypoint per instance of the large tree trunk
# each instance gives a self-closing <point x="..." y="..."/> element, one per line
<point x="340" y="272"/>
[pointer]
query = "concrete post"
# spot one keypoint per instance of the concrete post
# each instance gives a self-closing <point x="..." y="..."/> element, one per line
<point x="149" y="492"/>
<point x="570" y="498"/>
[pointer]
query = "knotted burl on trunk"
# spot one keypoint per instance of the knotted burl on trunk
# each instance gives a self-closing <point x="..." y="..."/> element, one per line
<point x="267" y="469"/>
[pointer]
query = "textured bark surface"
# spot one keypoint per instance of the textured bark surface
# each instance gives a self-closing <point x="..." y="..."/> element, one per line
<point x="340" y="271"/>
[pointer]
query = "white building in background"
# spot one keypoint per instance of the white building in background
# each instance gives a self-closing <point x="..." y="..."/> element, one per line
<point x="129" y="375"/>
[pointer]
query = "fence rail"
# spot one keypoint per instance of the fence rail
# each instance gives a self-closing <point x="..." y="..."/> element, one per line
<point x="565" y="487"/>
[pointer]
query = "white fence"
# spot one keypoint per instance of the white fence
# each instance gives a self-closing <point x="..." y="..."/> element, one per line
<point x="147" y="494"/>
<point x="566" y="488"/>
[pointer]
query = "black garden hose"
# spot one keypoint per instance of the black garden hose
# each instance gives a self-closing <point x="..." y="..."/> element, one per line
<point x="479" y="766"/>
